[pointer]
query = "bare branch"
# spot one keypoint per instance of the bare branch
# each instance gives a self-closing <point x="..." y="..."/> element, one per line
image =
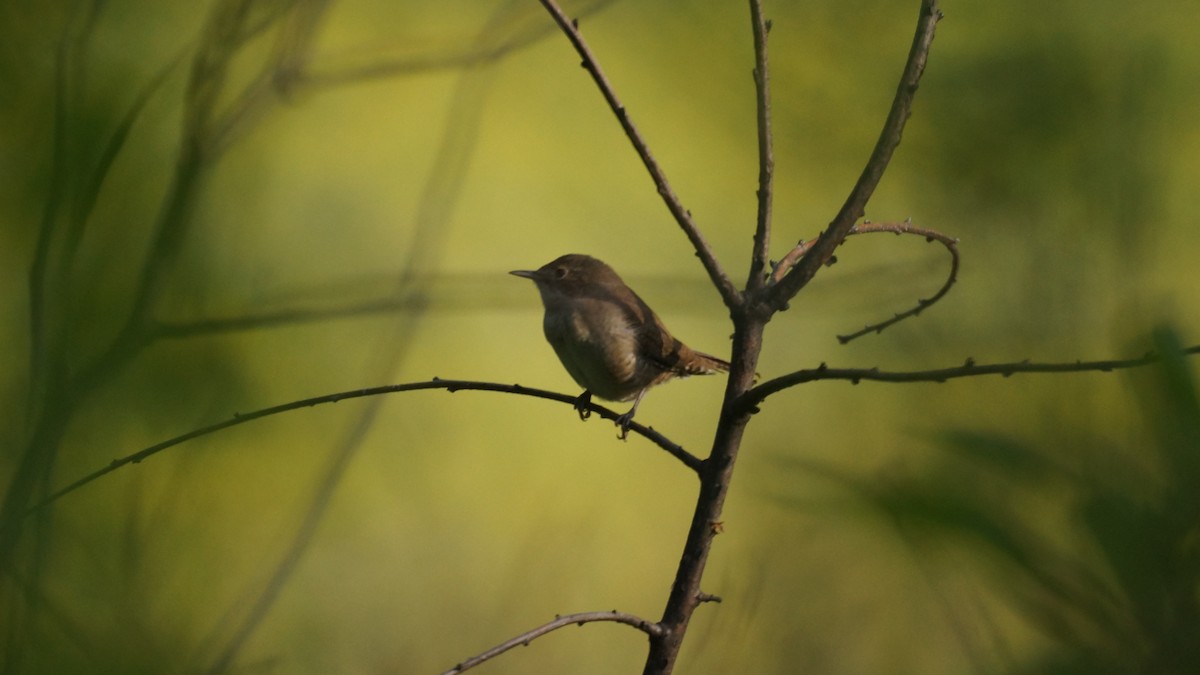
<point x="525" y="638"/>
<point x="720" y="279"/>
<point x="951" y="244"/>
<point x="675" y="450"/>
<point x="907" y="227"/>
<point x="751" y="399"/>
<point x="766" y="158"/>
<point x="777" y="296"/>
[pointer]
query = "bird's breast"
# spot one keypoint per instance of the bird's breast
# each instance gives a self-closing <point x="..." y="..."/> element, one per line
<point x="596" y="345"/>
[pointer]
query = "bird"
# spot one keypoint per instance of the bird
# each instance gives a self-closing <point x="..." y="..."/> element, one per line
<point x="609" y="340"/>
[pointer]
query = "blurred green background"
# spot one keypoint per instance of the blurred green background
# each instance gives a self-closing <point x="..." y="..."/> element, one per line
<point x="295" y="198"/>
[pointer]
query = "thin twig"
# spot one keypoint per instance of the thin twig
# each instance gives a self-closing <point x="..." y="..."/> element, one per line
<point x="272" y="318"/>
<point x="90" y="191"/>
<point x="731" y="296"/>
<point x="907" y="227"/>
<point x="777" y="296"/>
<point x="525" y="638"/>
<point x="298" y="27"/>
<point x="969" y="368"/>
<point x="402" y="60"/>
<point x="766" y="158"/>
<point x="951" y="244"/>
<point x="675" y="450"/>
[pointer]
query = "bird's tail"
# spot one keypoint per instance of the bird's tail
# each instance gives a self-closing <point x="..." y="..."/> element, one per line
<point x="707" y="364"/>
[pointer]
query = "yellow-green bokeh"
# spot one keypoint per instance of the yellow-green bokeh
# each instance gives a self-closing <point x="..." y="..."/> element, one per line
<point x="1060" y="144"/>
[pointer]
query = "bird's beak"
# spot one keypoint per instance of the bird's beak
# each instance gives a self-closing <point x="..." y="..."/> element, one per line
<point x="528" y="274"/>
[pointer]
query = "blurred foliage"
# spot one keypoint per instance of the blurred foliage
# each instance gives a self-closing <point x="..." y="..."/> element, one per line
<point x="1120" y="592"/>
<point x="213" y="207"/>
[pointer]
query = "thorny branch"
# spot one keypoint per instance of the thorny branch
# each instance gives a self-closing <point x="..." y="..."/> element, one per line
<point x="766" y="156"/>
<point x="907" y="227"/>
<point x="525" y="638"/>
<point x="751" y="311"/>
<point x="750" y="401"/>
<point x="729" y="293"/>
<point x="801" y="249"/>
<point x="777" y="295"/>
<point x="691" y="461"/>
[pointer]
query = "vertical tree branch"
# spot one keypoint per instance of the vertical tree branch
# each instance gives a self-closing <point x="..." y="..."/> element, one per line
<point x="47" y="367"/>
<point x="766" y="157"/>
<point x="43" y="320"/>
<point x="750" y="319"/>
<point x="777" y="296"/>
<point x="715" y="478"/>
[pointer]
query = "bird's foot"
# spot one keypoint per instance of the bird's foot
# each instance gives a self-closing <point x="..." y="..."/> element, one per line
<point x="581" y="405"/>
<point x="623" y="421"/>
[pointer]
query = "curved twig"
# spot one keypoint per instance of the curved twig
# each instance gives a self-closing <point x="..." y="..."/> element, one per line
<point x="750" y="400"/>
<point x="776" y="296"/>
<point x="691" y="461"/>
<point x="951" y="243"/>
<point x="731" y="296"/>
<point x="559" y="622"/>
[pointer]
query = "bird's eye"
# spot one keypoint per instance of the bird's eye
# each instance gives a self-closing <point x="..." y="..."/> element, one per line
<point x="560" y="272"/>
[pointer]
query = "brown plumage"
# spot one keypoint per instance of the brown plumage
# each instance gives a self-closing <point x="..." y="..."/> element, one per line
<point x="608" y="338"/>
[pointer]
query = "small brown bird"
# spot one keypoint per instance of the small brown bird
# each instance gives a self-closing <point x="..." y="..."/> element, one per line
<point x="608" y="338"/>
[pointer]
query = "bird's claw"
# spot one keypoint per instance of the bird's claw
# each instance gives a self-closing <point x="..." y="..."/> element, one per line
<point x="623" y="421"/>
<point x="582" y="403"/>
